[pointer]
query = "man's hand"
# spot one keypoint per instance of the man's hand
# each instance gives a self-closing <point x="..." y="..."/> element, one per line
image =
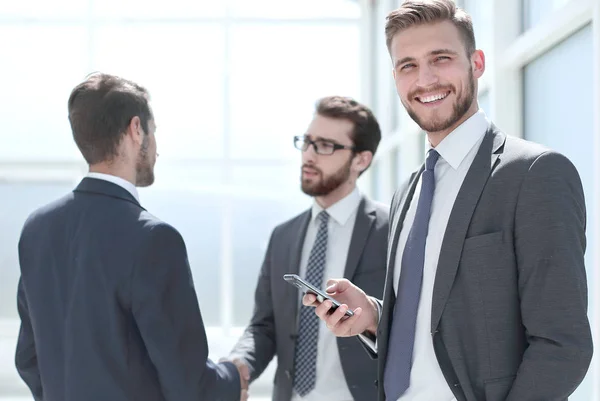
<point x="365" y="309"/>
<point x="244" y="376"/>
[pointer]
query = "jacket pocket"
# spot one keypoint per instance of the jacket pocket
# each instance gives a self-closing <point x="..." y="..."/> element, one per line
<point x="498" y="389"/>
<point x="484" y="240"/>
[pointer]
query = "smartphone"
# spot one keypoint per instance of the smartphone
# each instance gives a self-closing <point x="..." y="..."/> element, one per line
<point x="308" y="288"/>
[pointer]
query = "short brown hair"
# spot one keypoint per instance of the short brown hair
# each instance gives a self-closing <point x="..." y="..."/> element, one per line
<point x="366" y="134"/>
<point x="418" y="12"/>
<point x="101" y="109"/>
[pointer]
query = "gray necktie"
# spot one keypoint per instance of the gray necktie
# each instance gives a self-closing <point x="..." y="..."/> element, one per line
<point x="402" y="336"/>
<point x="305" y="363"/>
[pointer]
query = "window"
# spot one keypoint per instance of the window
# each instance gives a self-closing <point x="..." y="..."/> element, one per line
<point x="484" y="103"/>
<point x="229" y="85"/>
<point x="534" y="11"/>
<point x="277" y="73"/>
<point x="183" y="67"/>
<point x="567" y="126"/>
<point x="481" y="12"/>
<point x="39" y="72"/>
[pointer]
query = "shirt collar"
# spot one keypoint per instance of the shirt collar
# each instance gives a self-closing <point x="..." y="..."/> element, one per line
<point x="118" y="181"/>
<point x="341" y="210"/>
<point x="455" y="147"/>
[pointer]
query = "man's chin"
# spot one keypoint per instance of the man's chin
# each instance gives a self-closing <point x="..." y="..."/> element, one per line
<point x="146" y="182"/>
<point x="311" y="189"/>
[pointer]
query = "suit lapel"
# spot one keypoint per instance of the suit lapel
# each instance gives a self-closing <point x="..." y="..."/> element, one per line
<point x="398" y="213"/>
<point x="398" y="218"/>
<point x="365" y="217"/>
<point x="295" y="255"/>
<point x="298" y="242"/>
<point x="460" y="218"/>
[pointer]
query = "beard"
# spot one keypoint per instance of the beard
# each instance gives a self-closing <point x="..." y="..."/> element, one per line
<point x="143" y="168"/>
<point x="459" y="108"/>
<point x="325" y="185"/>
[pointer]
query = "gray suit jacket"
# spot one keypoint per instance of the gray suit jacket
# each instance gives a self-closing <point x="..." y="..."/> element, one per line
<point x="272" y="330"/>
<point x="509" y="315"/>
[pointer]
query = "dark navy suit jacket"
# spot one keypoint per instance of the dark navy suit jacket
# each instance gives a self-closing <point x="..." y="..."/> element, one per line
<point x="108" y="307"/>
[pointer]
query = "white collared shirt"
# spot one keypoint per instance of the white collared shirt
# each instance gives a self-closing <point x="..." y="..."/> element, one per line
<point x="457" y="152"/>
<point x="331" y="383"/>
<point x="118" y="181"/>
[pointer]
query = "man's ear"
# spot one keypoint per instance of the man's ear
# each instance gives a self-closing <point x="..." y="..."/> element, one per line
<point x="135" y="130"/>
<point x="362" y="160"/>
<point x="478" y="63"/>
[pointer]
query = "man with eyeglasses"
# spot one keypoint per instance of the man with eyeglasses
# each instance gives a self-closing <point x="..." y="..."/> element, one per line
<point x="343" y="233"/>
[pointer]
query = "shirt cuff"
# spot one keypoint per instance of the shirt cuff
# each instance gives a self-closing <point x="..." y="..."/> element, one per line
<point x="367" y="340"/>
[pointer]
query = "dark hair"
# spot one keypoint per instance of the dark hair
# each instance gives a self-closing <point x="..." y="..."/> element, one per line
<point x="417" y="12"/>
<point x="366" y="134"/>
<point x="101" y="109"/>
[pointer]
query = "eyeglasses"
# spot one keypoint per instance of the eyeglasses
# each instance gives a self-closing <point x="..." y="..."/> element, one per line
<point x="321" y="146"/>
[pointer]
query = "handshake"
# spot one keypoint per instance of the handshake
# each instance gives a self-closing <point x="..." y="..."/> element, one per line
<point x="244" y="372"/>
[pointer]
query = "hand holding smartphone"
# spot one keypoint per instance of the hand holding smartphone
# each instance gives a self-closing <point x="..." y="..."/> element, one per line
<point x="308" y="288"/>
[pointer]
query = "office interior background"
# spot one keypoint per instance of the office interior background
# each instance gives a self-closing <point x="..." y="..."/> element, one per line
<point x="232" y="81"/>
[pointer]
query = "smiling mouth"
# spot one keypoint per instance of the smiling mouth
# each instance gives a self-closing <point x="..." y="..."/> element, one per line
<point x="432" y="99"/>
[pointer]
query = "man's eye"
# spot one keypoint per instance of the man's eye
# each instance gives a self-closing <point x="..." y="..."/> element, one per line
<point x="325" y="145"/>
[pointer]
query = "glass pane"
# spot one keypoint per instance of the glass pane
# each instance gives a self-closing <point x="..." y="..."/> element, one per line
<point x="276" y="178"/>
<point x="37" y="73"/>
<point x="182" y="9"/>
<point x="43" y="8"/>
<point x="484" y="104"/>
<point x="253" y="221"/>
<point x="308" y="9"/>
<point x="197" y="216"/>
<point x="277" y="74"/>
<point x="568" y="127"/>
<point x="481" y="12"/>
<point x="24" y="199"/>
<point x="199" y="177"/>
<point x="535" y="11"/>
<point x="186" y="86"/>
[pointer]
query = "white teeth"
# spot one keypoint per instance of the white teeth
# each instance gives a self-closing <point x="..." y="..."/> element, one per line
<point x="430" y="99"/>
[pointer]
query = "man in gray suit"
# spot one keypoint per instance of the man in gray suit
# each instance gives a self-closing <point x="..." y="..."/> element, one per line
<point x="343" y="234"/>
<point x="486" y="295"/>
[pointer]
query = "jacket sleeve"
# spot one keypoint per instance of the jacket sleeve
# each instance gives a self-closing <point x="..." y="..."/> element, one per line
<point x="165" y="307"/>
<point x="257" y="345"/>
<point x="550" y="245"/>
<point x="26" y="357"/>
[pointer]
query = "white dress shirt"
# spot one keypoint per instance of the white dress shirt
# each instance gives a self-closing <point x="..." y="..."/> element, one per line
<point x="117" y="180"/>
<point x="457" y="152"/>
<point x="331" y="384"/>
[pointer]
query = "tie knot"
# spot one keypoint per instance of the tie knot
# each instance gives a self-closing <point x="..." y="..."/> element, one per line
<point x="323" y="217"/>
<point x="431" y="159"/>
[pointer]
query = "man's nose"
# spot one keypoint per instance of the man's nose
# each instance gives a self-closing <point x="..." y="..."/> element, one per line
<point x="427" y="76"/>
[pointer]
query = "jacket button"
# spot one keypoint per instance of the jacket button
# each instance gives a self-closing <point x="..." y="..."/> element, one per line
<point x="288" y="374"/>
<point x="376" y="383"/>
<point x="456" y="384"/>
